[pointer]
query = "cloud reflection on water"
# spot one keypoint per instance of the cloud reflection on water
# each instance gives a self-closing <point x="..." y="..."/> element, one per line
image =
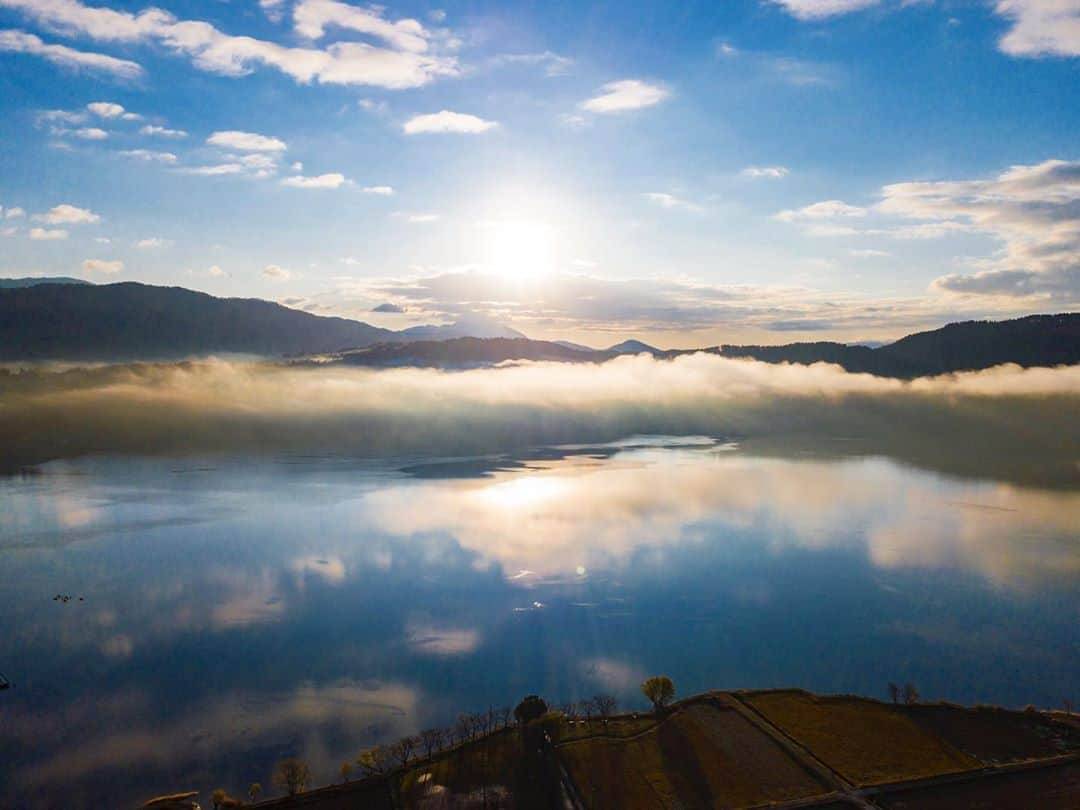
<point x="558" y="517"/>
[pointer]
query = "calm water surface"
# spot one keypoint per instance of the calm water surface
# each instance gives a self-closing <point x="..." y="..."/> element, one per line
<point x="229" y="613"/>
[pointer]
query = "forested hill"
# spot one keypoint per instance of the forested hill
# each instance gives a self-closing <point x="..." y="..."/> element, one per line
<point x="1037" y="340"/>
<point x="130" y="321"/>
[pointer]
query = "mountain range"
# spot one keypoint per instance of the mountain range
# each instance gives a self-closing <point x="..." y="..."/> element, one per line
<point x="64" y="319"/>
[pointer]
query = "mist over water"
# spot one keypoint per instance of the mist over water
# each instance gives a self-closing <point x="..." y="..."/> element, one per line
<point x="277" y="561"/>
<point x="1019" y="418"/>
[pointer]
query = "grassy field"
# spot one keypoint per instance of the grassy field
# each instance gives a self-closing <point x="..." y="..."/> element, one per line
<point x="699" y="756"/>
<point x="995" y="736"/>
<point x="864" y="740"/>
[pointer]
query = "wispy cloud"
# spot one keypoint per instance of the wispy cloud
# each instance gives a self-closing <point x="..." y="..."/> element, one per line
<point x="62" y="55"/>
<point x="553" y="63"/>
<point x="276" y="273"/>
<point x="102" y="266"/>
<point x="665" y="200"/>
<point x="826" y="209"/>
<point x="48" y="233"/>
<point x="149" y="155"/>
<point x="767" y="172"/>
<point x="162" y="132"/>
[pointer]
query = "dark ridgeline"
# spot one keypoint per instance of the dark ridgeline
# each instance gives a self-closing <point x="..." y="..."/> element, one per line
<point x="1037" y="340"/>
<point x="57" y="320"/>
<point x="130" y="321"/>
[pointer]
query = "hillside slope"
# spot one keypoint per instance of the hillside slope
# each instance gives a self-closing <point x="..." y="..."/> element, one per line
<point x="130" y="321"/>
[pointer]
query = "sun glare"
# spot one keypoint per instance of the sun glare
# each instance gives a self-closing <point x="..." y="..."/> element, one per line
<point x="519" y="249"/>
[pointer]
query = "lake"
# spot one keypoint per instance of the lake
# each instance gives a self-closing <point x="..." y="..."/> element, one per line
<point x="226" y="613"/>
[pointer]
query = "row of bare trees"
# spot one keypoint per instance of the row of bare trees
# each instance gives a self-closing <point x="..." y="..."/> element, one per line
<point x="602" y="706"/>
<point x="907" y="693"/>
<point x="382" y="759"/>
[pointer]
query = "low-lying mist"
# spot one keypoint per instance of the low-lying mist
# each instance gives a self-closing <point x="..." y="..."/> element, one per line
<point x="1004" y="422"/>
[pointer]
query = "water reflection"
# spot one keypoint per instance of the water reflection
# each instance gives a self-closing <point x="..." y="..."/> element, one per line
<point x="241" y="612"/>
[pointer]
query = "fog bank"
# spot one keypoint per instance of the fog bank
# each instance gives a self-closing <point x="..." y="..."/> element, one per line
<point x="1005" y="421"/>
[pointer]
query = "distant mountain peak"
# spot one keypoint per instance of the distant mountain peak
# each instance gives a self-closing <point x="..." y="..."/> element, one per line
<point x="472" y="324"/>
<point x="632" y="347"/>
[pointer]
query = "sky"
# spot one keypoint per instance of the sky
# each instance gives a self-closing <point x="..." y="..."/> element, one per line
<point x="688" y="174"/>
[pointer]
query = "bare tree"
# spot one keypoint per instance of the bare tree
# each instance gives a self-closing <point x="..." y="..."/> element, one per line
<point x="911" y="694"/>
<point x="570" y="710"/>
<point x="605" y="705"/>
<point x="254" y="791"/>
<point x="1067" y="705"/>
<point x="505" y="713"/>
<point x="431" y="739"/>
<point x="461" y="728"/>
<point x="894" y="692"/>
<point x="403" y="749"/>
<point x="293" y="775"/>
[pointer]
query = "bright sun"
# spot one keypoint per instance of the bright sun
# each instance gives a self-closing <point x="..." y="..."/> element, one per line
<point x="519" y="249"/>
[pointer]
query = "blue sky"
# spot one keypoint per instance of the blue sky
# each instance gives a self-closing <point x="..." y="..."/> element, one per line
<point x="688" y="173"/>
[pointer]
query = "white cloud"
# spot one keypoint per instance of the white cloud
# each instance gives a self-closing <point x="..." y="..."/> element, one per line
<point x="665" y="200"/>
<point x="1041" y="27"/>
<point x="108" y="109"/>
<point x="1033" y="210"/>
<point x="272" y="271"/>
<point x="86" y="133"/>
<point x="819" y="9"/>
<point x="163" y="132"/>
<point x="11" y="213"/>
<point x="102" y="266"/>
<point x="385" y="191"/>
<point x="422" y="219"/>
<point x="627" y="94"/>
<point x="402" y="65"/>
<point x="1038" y="27"/>
<point x="768" y="172"/>
<point x="727" y="49"/>
<point x="149" y="155"/>
<point x="48" y="233"/>
<point x="332" y="180"/>
<point x="311" y="18"/>
<point x="22" y="42"/>
<point x="216" y="170"/>
<point x="826" y="209"/>
<point x="868" y="253"/>
<point x="246" y="141"/>
<point x="153" y="242"/>
<point x="65" y="214"/>
<point x="447" y="121"/>
<point x="215" y="271"/>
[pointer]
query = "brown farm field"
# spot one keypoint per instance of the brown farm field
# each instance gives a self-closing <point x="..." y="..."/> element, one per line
<point x="702" y="755"/>
<point x="747" y="749"/>
<point x="863" y="740"/>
